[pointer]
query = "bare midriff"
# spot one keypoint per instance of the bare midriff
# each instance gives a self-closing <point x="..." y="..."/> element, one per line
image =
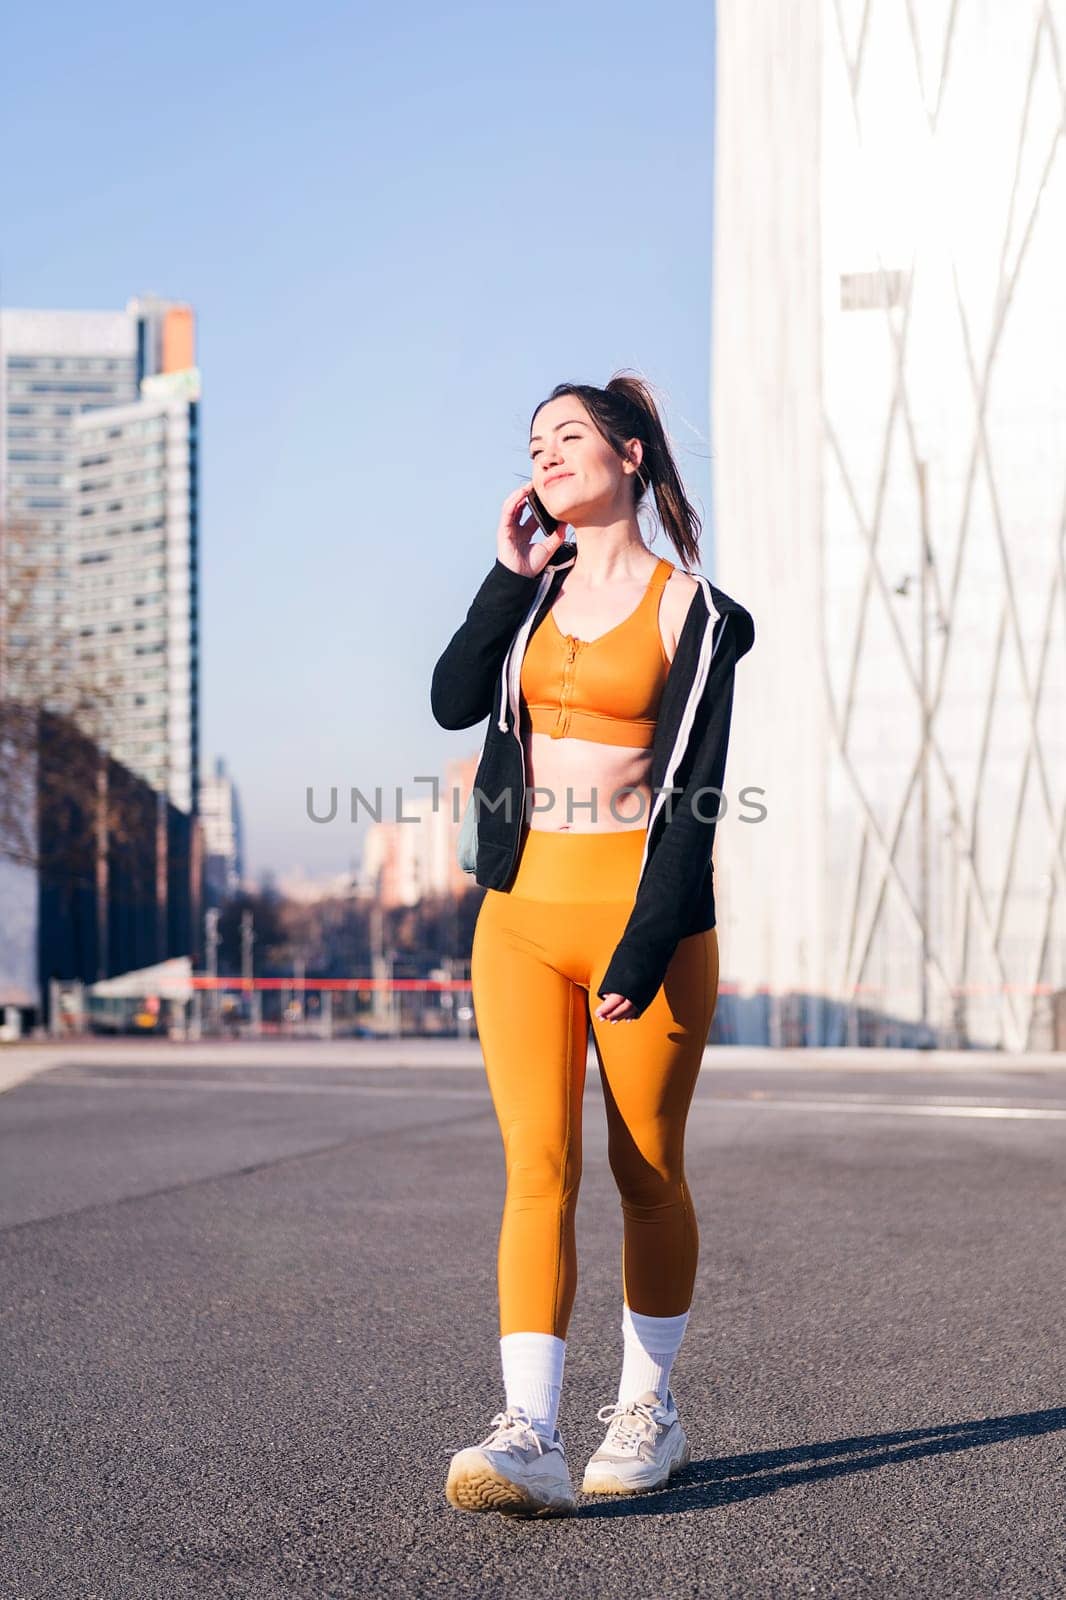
<point x="579" y="772"/>
<point x="580" y="783"/>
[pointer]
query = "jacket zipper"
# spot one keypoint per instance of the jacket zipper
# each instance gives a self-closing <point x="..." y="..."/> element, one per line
<point x="509" y="679"/>
<point x="708" y="645"/>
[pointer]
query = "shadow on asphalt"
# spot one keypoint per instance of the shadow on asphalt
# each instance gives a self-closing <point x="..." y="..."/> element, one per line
<point x="723" y="1481"/>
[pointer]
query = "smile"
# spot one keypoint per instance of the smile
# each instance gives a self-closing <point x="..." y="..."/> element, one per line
<point x="556" y="476"/>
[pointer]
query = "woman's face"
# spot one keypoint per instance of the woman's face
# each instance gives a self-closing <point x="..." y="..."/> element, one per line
<point x="574" y="470"/>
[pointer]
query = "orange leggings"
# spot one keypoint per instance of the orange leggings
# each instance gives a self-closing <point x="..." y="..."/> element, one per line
<point x="539" y="954"/>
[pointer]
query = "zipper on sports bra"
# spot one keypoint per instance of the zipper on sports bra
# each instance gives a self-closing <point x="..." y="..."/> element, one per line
<point x="562" y="720"/>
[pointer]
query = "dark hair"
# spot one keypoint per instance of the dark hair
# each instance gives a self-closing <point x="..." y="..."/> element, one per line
<point x="626" y="410"/>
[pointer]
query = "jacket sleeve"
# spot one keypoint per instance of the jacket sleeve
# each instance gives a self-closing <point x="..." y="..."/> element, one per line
<point x="675" y="867"/>
<point x="465" y="679"/>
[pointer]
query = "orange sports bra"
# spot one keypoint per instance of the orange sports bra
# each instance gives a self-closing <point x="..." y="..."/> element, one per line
<point x="607" y="689"/>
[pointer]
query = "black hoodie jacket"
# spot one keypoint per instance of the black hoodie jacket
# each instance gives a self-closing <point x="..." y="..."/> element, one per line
<point x="478" y="676"/>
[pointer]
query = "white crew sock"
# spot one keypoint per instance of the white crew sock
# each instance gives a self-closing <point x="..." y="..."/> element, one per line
<point x="533" y="1375"/>
<point x="650" y="1345"/>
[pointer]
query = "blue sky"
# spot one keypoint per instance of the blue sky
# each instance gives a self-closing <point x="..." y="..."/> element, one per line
<point x="400" y="227"/>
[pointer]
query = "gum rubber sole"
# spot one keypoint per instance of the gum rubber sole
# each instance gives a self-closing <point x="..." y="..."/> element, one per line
<point x="479" y="1488"/>
<point x="612" y="1485"/>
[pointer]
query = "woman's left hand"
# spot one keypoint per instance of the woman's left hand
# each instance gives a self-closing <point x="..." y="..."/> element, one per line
<point x="616" y="1008"/>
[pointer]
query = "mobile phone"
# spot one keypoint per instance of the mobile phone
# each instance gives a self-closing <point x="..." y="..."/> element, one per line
<point x="545" y="521"/>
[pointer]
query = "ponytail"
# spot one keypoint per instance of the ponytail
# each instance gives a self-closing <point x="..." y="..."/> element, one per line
<point x="626" y="410"/>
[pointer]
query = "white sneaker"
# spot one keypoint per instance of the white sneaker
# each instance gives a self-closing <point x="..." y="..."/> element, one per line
<point x="645" y="1443"/>
<point x="515" y="1470"/>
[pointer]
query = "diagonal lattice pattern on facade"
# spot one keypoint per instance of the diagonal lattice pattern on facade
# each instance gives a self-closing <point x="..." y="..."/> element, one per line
<point x="930" y="162"/>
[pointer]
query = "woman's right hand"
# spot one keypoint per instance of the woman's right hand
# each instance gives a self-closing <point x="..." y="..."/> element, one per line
<point x="514" y="538"/>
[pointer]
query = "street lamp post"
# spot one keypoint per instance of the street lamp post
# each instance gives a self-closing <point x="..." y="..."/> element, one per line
<point x="923" y="774"/>
<point x="247" y="968"/>
<point x="925" y="562"/>
<point x="211" y="944"/>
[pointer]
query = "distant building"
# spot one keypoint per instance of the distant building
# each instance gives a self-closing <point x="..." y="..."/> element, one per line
<point x="304" y="889"/>
<point x="406" y="861"/>
<point x="53" y="365"/>
<point x="99" y="638"/>
<point x="220" y="813"/>
<point x="99" y="509"/>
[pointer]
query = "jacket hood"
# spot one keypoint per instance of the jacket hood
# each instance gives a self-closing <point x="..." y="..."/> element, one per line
<point x="743" y="625"/>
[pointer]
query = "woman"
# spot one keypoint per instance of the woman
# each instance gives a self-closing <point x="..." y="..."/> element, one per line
<point x="609" y="673"/>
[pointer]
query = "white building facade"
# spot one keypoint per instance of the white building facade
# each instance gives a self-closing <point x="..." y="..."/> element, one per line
<point x="889" y="415"/>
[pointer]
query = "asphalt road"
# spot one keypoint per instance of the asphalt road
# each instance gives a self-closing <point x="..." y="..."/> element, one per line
<point x="248" y="1311"/>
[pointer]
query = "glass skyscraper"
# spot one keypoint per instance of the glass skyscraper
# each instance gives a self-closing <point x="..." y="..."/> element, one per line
<point x="99" y="514"/>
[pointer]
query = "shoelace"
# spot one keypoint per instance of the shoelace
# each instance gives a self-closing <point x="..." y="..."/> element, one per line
<point x="515" y="1426"/>
<point x="630" y="1424"/>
